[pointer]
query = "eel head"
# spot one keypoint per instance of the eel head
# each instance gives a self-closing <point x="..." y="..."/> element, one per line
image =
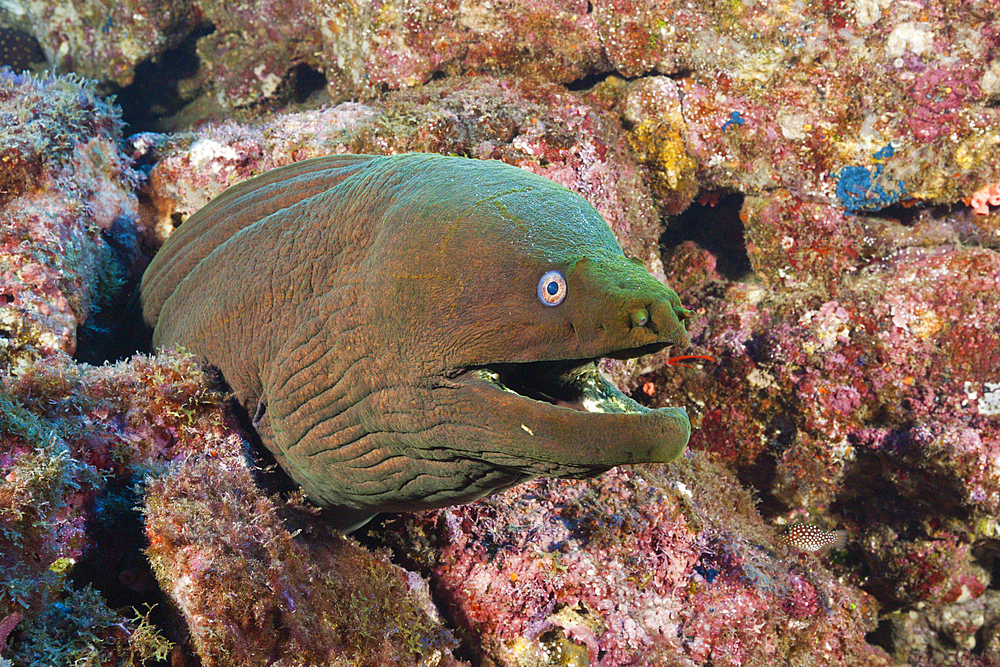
<point x="506" y="292"/>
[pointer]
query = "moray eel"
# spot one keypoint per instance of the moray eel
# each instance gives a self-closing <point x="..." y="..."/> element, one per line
<point x="416" y="331"/>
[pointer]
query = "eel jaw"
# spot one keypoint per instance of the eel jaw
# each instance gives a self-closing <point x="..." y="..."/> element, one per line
<point x="575" y="384"/>
<point x="559" y="418"/>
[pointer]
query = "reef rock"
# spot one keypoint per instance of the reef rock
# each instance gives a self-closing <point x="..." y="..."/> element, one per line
<point x="665" y="565"/>
<point x="69" y="227"/>
<point x="237" y="576"/>
<point x="855" y="384"/>
<point x="825" y="179"/>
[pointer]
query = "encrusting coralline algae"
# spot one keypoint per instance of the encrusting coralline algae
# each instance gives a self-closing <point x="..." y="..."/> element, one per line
<point x="855" y="145"/>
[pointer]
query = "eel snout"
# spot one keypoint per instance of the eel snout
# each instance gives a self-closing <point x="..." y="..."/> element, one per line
<point x="626" y="313"/>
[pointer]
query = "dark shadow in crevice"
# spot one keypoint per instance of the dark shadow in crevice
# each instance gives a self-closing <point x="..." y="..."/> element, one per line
<point x="154" y="94"/>
<point x="904" y="215"/>
<point x="761" y="475"/>
<point x="715" y="226"/>
<point x="303" y="81"/>
<point x="882" y="636"/>
<point x="113" y="329"/>
<point x="587" y="82"/>
<point x="114" y="562"/>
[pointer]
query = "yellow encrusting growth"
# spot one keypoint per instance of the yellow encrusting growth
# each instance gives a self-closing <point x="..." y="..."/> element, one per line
<point x="661" y="147"/>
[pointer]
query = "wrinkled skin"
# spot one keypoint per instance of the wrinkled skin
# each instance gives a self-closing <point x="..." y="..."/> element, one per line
<point x="379" y="317"/>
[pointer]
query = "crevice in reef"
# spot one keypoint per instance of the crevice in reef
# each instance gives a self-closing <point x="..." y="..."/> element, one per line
<point x="115" y="563"/>
<point x="714" y="224"/>
<point x="587" y="82"/>
<point x="882" y="636"/>
<point x="112" y="330"/>
<point x="304" y="81"/>
<point x="155" y="92"/>
<point x="917" y="225"/>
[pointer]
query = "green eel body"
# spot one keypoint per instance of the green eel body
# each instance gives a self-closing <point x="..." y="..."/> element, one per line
<point x="416" y="331"/>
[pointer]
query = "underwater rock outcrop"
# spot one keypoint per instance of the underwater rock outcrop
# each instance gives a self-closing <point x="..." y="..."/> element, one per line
<point x="665" y="564"/>
<point x="823" y="179"/>
<point x="69" y="225"/>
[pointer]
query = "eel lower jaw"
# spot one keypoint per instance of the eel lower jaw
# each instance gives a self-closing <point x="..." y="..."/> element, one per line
<point x="559" y="419"/>
<point x="573" y="384"/>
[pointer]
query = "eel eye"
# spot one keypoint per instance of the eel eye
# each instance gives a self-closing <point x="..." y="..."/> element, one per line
<point x="552" y="288"/>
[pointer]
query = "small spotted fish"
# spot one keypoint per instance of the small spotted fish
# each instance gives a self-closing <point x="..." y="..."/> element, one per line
<point x="18" y="49"/>
<point x="808" y="537"/>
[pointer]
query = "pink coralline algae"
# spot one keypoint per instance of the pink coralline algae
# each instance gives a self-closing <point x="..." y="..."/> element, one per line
<point x="75" y="441"/>
<point x="863" y="385"/>
<point x="645" y="566"/>
<point x="984" y="198"/>
<point x="67" y="214"/>
<point x="913" y="344"/>
<point x="362" y="48"/>
<point x="796" y="243"/>
<point x="817" y="91"/>
<point x="939" y="96"/>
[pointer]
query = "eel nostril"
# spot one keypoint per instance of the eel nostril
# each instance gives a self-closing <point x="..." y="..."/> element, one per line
<point x="639" y="317"/>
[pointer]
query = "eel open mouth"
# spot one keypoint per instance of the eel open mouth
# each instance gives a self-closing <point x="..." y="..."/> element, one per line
<point x="565" y="418"/>
<point x="576" y="384"/>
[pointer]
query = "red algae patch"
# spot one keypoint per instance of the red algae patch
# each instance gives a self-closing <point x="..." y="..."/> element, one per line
<point x="654" y="565"/>
<point x="272" y="580"/>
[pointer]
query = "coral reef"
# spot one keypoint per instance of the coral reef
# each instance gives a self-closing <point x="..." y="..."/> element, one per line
<point x="947" y="635"/>
<point x="68" y="214"/>
<point x="249" y="589"/>
<point x="651" y="565"/>
<point x="106" y="39"/>
<point x="65" y="430"/>
<point x="822" y="89"/>
<point x="847" y="151"/>
<point x="252" y="592"/>
<point x="856" y="383"/>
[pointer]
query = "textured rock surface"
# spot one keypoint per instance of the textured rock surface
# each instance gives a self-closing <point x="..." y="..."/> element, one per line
<point x="68" y="214"/>
<point x="66" y="431"/>
<point x="102" y="39"/>
<point x="83" y="449"/>
<point x="837" y="164"/>
<point x="656" y="565"/>
<point x="867" y="394"/>
<point x="260" y="583"/>
<point x="805" y="98"/>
